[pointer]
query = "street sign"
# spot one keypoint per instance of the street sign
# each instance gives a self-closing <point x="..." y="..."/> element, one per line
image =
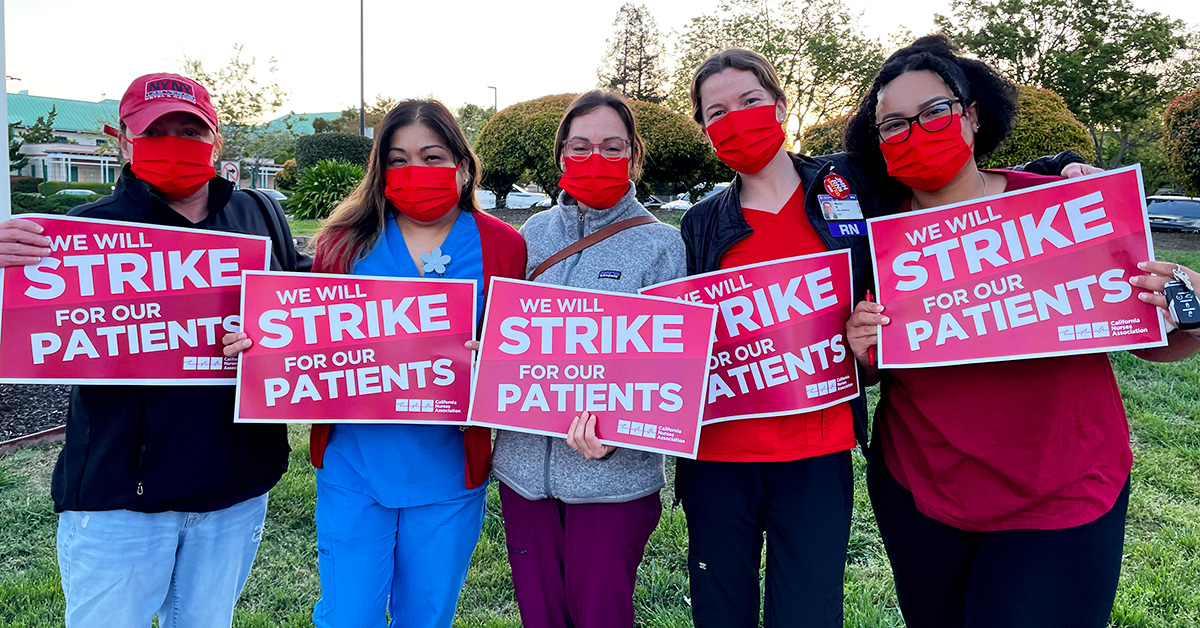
<point x="231" y="171"/>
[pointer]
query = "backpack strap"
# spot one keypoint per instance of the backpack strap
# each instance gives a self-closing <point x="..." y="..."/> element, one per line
<point x="589" y="240"/>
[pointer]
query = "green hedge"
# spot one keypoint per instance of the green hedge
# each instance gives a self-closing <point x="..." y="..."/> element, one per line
<point x="27" y="185"/>
<point x="352" y="149"/>
<point x="64" y="203"/>
<point x="1044" y="126"/>
<point x="1181" y="140"/>
<point x="23" y="203"/>
<point x="50" y="187"/>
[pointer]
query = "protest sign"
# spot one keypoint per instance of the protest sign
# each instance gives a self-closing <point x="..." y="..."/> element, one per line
<point x="780" y="344"/>
<point x="349" y="349"/>
<point x="637" y="362"/>
<point x="125" y="303"/>
<point x="1037" y="272"/>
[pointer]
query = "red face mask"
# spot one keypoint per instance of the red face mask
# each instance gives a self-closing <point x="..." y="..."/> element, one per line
<point x="174" y="166"/>
<point x="596" y="182"/>
<point x="928" y="161"/>
<point x="423" y="193"/>
<point x="746" y="140"/>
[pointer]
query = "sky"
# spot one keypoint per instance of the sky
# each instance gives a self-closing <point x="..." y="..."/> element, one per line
<point x="450" y="49"/>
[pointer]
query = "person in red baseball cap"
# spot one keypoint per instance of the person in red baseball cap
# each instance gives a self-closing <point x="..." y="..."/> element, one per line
<point x="161" y="497"/>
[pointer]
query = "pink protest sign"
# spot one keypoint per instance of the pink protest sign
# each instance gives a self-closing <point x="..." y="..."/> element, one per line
<point x="125" y="303"/>
<point x="780" y="339"/>
<point x="349" y="349"/>
<point x="1038" y="272"/>
<point x="638" y="362"/>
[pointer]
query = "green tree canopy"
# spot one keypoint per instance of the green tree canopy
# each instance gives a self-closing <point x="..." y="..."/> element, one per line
<point x="1106" y="58"/>
<point x="42" y="129"/>
<point x="472" y="118"/>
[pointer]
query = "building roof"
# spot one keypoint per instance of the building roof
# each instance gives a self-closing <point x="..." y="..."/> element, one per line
<point x="79" y="116"/>
<point x="301" y="122"/>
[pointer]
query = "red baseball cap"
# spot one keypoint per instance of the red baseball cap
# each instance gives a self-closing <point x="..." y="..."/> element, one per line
<point x="152" y="95"/>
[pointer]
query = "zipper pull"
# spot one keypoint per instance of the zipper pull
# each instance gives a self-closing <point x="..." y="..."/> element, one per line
<point x="139" y="488"/>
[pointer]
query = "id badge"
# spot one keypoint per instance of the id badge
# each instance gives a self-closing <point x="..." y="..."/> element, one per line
<point x="840" y="208"/>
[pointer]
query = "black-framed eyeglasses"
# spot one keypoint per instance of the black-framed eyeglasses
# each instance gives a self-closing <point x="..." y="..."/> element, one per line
<point x="934" y="118"/>
<point x="580" y="149"/>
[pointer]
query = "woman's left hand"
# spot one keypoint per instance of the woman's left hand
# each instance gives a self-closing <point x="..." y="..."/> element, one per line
<point x="581" y="437"/>
<point x="1078" y="169"/>
<point x="1156" y="281"/>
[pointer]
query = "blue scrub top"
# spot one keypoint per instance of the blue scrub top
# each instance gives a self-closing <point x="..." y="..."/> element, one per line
<point x="402" y="466"/>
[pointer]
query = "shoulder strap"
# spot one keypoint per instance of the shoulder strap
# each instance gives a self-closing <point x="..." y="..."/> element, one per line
<point x="265" y="204"/>
<point x="588" y="240"/>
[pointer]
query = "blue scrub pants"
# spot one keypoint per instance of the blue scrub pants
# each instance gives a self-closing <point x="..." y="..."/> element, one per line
<point x="418" y="555"/>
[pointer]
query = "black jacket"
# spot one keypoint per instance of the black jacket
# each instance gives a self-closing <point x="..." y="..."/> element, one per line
<point x="715" y="224"/>
<point x="159" y="448"/>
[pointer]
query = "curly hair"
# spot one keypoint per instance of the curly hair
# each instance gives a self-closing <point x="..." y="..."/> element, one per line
<point x="970" y="80"/>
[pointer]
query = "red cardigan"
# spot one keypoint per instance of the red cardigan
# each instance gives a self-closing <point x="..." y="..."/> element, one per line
<point x="503" y="256"/>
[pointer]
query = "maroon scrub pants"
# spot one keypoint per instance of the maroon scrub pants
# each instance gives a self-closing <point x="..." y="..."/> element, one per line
<point x="576" y="564"/>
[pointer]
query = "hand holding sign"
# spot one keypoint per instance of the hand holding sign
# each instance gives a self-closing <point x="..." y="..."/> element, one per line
<point x="629" y="368"/>
<point x="22" y="242"/>
<point x="346" y="348"/>
<point x="1039" y="272"/>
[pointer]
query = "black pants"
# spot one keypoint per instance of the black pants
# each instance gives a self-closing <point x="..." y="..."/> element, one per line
<point x="948" y="578"/>
<point x="804" y="509"/>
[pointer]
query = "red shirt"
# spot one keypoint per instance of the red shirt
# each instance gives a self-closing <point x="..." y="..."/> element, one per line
<point x="781" y="438"/>
<point x="1027" y="444"/>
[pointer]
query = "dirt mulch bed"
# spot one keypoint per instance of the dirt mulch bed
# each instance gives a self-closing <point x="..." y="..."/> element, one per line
<point x="27" y="408"/>
<point x="1169" y="240"/>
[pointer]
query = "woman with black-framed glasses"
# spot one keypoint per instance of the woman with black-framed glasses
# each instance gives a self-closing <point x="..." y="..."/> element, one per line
<point x="578" y="513"/>
<point x="1000" y="488"/>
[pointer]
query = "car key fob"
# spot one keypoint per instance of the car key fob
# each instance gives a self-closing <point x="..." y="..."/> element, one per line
<point x="1181" y="297"/>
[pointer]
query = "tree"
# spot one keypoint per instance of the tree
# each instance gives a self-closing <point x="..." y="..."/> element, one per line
<point x="42" y="130"/>
<point x="16" y="160"/>
<point x="824" y="64"/>
<point x="243" y="98"/>
<point x="472" y="118"/>
<point x="1181" y="140"/>
<point x="634" y="64"/>
<point x="348" y="121"/>
<point x="518" y="144"/>
<point x="1106" y="58"/>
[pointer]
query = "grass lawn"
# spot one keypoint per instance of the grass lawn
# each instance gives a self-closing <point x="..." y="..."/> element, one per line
<point x="1160" y="580"/>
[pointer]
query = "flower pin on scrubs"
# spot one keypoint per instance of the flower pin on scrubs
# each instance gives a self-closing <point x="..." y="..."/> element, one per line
<point x="435" y="261"/>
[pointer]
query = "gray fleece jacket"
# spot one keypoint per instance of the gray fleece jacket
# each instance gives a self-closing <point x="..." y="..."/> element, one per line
<point x="538" y="467"/>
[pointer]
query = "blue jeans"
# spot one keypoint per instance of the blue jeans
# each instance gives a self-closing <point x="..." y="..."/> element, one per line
<point x="121" y="568"/>
<point x="417" y="555"/>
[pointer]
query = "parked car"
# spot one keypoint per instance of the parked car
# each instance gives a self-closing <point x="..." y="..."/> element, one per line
<point x="652" y="202"/>
<point x="76" y="192"/>
<point x="275" y="194"/>
<point x="1173" y="213"/>
<point x="516" y="199"/>
<point x="683" y="202"/>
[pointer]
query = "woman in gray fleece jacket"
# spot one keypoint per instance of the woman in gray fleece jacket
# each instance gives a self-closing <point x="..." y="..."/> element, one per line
<point x="577" y="513"/>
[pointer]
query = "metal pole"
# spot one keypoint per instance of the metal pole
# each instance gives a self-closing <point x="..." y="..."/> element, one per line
<point x="5" y="198"/>
<point x="495" y="99"/>
<point x="362" y="94"/>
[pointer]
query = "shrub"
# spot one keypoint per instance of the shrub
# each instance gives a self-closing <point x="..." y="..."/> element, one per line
<point x="286" y="179"/>
<point x="1181" y="140"/>
<point x="352" y="149"/>
<point x="824" y="138"/>
<point x="1044" y="126"/>
<point x="64" y="203"/>
<point x="26" y="185"/>
<point x="50" y="187"/>
<point x="322" y="187"/>
<point x="518" y="142"/>
<point x="23" y="203"/>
